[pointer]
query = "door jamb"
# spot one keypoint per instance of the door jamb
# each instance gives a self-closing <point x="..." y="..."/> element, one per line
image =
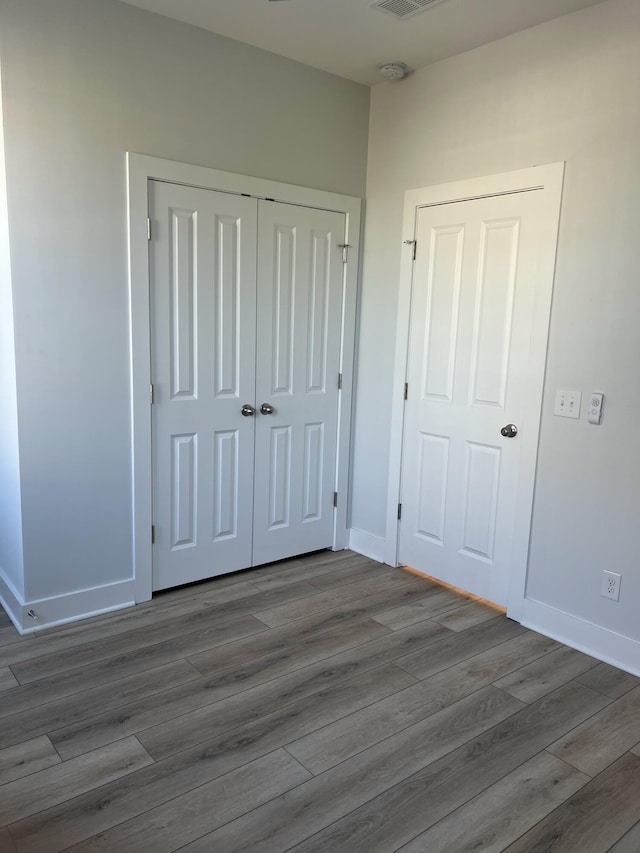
<point x="546" y="178"/>
<point x="140" y="169"/>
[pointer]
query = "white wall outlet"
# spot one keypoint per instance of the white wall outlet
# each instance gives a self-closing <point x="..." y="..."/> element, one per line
<point x="611" y="585"/>
<point x="567" y="403"/>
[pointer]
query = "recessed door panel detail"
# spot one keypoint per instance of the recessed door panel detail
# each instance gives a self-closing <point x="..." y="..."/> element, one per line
<point x="313" y="468"/>
<point x="481" y="500"/>
<point x="280" y="479"/>
<point x="283" y="309"/>
<point x="228" y="268"/>
<point x="183" y="491"/>
<point x="225" y="484"/>
<point x="442" y="304"/>
<point x="183" y="304"/>
<point x="433" y="458"/>
<point x="494" y="311"/>
<point x="318" y="314"/>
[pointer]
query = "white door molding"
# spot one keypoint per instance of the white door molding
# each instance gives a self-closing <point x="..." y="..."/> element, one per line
<point x="140" y="169"/>
<point x="547" y="179"/>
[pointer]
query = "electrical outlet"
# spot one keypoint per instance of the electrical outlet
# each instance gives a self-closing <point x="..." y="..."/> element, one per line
<point x="611" y="585"/>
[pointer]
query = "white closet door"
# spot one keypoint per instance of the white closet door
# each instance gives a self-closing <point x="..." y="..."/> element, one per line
<point x="203" y="280"/>
<point x="472" y="320"/>
<point x="300" y="285"/>
<point x="246" y="301"/>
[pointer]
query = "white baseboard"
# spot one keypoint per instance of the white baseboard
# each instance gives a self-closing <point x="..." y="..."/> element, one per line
<point x="600" y="643"/>
<point x="367" y="544"/>
<point x="60" y="609"/>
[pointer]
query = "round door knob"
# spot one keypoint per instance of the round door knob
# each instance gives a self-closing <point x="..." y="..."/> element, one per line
<point x="509" y="431"/>
<point x="247" y="410"/>
<point x="267" y="409"/>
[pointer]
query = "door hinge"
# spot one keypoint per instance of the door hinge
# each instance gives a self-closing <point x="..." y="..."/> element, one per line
<point x="148" y="228"/>
<point x="339" y="382"/>
<point x="399" y="511"/>
<point x="335" y="499"/>
<point x="414" y="246"/>
<point x="153" y="534"/>
<point x="345" y="251"/>
<point x="406" y="390"/>
<point x="151" y="394"/>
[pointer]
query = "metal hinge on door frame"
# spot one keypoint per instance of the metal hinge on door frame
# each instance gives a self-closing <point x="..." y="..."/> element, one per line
<point x="414" y="246"/>
<point x="335" y="499"/>
<point x="151" y="393"/>
<point x="339" y="382"/>
<point x="153" y="534"/>
<point x="406" y="390"/>
<point x="149" y="228"/>
<point x="345" y="251"/>
<point x="399" y="511"/>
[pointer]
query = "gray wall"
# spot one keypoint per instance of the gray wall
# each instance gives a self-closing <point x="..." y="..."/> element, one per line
<point x="85" y="81"/>
<point x="10" y="508"/>
<point x="567" y="90"/>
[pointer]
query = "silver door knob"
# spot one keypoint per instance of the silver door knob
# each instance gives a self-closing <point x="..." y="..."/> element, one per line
<point x="247" y="410"/>
<point x="267" y="409"/>
<point x="509" y="431"/>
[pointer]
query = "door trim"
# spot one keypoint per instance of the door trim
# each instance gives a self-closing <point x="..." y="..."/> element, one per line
<point x="549" y="180"/>
<point x="140" y="169"/>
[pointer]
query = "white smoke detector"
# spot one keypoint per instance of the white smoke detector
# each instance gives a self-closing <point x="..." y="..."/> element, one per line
<point x="393" y="70"/>
<point x="404" y="8"/>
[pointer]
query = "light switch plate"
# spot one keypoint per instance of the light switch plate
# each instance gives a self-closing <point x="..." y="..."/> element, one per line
<point x="567" y="403"/>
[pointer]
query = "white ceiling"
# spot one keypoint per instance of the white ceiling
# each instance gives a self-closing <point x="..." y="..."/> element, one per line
<point x="351" y="39"/>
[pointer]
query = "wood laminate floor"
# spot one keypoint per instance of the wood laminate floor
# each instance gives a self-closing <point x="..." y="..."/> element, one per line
<point x="320" y="704"/>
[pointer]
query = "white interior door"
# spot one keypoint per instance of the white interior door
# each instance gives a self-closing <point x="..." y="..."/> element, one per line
<point x="300" y="274"/>
<point x="469" y="374"/>
<point x="202" y="266"/>
<point x="233" y="487"/>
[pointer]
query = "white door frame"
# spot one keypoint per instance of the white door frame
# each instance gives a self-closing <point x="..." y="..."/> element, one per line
<point x="140" y="169"/>
<point x="548" y="179"/>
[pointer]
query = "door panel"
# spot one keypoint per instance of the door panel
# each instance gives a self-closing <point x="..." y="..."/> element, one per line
<point x="184" y="500"/>
<point x="298" y="360"/>
<point x="433" y="473"/>
<point x="441" y="324"/>
<point x="474" y="283"/>
<point x="498" y="265"/>
<point x="202" y="261"/>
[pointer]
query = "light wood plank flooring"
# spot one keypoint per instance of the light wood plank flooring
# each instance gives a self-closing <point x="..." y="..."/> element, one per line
<point x="320" y="704"/>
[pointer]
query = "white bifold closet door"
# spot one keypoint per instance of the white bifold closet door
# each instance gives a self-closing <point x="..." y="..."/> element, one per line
<point x="246" y="317"/>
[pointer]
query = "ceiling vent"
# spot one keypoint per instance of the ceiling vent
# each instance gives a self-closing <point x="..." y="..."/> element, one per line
<point x="404" y="8"/>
